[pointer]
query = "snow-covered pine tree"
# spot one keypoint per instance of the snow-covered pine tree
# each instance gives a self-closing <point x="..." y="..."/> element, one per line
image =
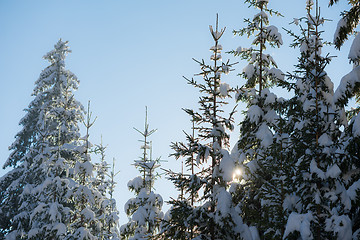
<point x="51" y="216"/>
<point x="144" y="211"/>
<point x="323" y="208"/>
<point x="350" y="147"/>
<point x="179" y="221"/>
<point x="350" y="88"/>
<point x="27" y="141"/>
<point x="85" y="199"/>
<point x="102" y="168"/>
<point x="105" y="183"/>
<point x="101" y="183"/>
<point x="214" y="216"/>
<point x="348" y="22"/>
<point x="44" y="154"/>
<point x="112" y="215"/>
<point x="262" y="132"/>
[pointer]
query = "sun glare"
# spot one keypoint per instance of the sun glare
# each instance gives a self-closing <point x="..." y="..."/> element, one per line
<point x="237" y="174"/>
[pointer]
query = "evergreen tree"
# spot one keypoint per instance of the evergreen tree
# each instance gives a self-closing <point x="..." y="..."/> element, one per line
<point x="38" y="152"/>
<point x="112" y="216"/>
<point x="323" y="212"/>
<point x="350" y="165"/>
<point x="85" y="199"/>
<point x="52" y="194"/>
<point x="214" y="216"/>
<point x="36" y="142"/>
<point x="179" y="221"/>
<point x="350" y="88"/>
<point x="105" y="184"/>
<point x="262" y="132"/>
<point x="348" y="22"/>
<point x="144" y="210"/>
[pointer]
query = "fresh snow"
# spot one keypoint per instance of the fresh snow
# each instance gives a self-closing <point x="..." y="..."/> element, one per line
<point x="347" y="84"/>
<point x="264" y="135"/>
<point x="227" y="166"/>
<point x="352" y="191"/>
<point x="300" y="223"/>
<point x="341" y="24"/>
<point x="333" y="172"/>
<point x="314" y="169"/>
<point x="356" y="126"/>
<point x="137" y="183"/>
<point x="224" y="201"/>
<point x="354" y="53"/>
<point x="325" y="140"/>
<point x="249" y="71"/>
<point x="224" y="88"/>
<point x="277" y="73"/>
<point x="254" y="113"/>
<point x="274" y="34"/>
<point x="341" y="225"/>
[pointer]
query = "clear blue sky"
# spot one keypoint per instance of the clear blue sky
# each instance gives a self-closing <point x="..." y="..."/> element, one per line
<point x="128" y="55"/>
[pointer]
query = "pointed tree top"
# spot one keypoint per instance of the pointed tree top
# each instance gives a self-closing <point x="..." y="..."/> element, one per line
<point x="61" y="49"/>
<point x="146" y="132"/>
<point x="216" y="34"/>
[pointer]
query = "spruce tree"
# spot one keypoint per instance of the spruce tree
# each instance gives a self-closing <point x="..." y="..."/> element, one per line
<point x="213" y="216"/>
<point x="262" y="132"/>
<point x="112" y="214"/>
<point x="350" y="88"/>
<point x="85" y="199"/>
<point x="52" y="162"/>
<point x="319" y="183"/>
<point x="52" y="118"/>
<point x="144" y="211"/>
<point x="350" y="163"/>
<point x="105" y="183"/>
<point x="350" y="166"/>
<point x="348" y="22"/>
<point x="179" y="221"/>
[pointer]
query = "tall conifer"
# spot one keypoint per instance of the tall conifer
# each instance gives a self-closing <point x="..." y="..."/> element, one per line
<point x="105" y="183"/>
<point x="319" y="181"/>
<point x="214" y="216"/>
<point x="144" y="211"/>
<point x="262" y="136"/>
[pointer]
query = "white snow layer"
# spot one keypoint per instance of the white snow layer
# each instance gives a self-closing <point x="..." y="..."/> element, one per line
<point x="254" y="233"/>
<point x="347" y="83"/>
<point x="136" y="183"/>
<point x="356" y="126"/>
<point x="54" y="212"/>
<point x="224" y="88"/>
<point x="264" y="135"/>
<point x="333" y="172"/>
<point x="351" y="192"/>
<point x="227" y="166"/>
<point x="341" y="225"/>
<point x="254" y="113"/>
<point x="88" y="214"/>
<point x="300" y="223"/>
<point x="325" y="140"/>
<point x="291" y="203"/>
<point x="249" y="71"/>
<point x="314" y="169"/>
<point x="274" y="34"/>
<point x="224" y="202"/>
<point x="354" y="54"/>
<point x="276" y="73"/>
<point x="270" y="97"/>
<point x="341" y="23"/>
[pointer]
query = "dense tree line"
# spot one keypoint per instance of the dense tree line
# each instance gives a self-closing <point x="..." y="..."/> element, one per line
<point x="294" y="172"/>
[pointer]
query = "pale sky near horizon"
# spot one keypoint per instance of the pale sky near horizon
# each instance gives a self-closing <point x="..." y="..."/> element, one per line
<point x="132" y="54"/>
